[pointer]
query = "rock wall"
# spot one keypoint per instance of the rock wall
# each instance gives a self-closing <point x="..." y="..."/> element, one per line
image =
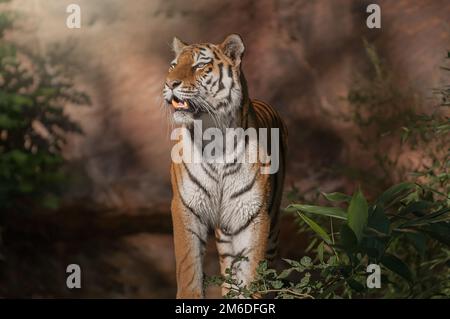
<point x="300" y="56"/>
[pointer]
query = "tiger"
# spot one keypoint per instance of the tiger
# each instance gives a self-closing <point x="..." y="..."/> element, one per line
<point x="235" y="201"/>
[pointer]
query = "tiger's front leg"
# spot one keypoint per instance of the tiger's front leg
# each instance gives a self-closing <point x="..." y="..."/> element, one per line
<point x="190" y="237"/>
<point x="242" y="250"/>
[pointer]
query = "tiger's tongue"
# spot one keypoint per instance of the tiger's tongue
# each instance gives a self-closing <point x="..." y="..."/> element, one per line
<point x="179" y="105"/>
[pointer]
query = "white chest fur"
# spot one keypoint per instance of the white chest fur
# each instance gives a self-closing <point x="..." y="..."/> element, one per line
<point x="226" y="195"/>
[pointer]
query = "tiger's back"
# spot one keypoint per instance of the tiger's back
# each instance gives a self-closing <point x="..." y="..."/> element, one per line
<point x="268" y="117"/>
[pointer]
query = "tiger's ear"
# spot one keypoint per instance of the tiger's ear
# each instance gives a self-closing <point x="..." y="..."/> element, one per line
<point x="177" y="45"/>
<point x="233" y="47"/>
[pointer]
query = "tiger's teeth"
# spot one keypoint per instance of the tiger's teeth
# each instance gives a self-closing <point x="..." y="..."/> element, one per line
<point x="179" y="105"/>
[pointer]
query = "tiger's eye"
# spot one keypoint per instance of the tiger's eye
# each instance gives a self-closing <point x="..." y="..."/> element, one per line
<point x="200" y="66"/>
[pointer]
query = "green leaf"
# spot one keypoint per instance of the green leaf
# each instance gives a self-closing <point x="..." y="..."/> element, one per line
<point x="314" y="226"/>
<point x="439" y="231"/>
<point x="396" y="265"/>
<point x="311" y="245"/>
<point x="419" y="241"/>
<point x="332" y="261"/>
<point x="46" y="91"/>
<point x="394" y="192"/>
<point x="22" y="100"/>
<point x="306" y="261"/>
<point x="358" y="214"/>
<point x="330" y="289"/>
<point x="337" y="197"/>
<point x="262" y="267"/>
<point x="305" y="280"/>
<point x="420" y="206"/>
<point x="377" y="233"/>
<point x="8" y="123"/>
<point x="334" y="212"/>
<point x="320" y="250"/>
<point x="292" y="263"/>
<point x="379" y="221"/>
<point x="18" y="156"/>
<point x="355" y="285"/>
<point x="276" y="284"/>
<point x="285" y="273"/>
<point x="440" y="215"/>
<point x="348" y="238"/>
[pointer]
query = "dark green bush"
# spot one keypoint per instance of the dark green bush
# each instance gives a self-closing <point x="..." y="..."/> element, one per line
<point x="406" y="231"/>
<point x="33" y="125"/>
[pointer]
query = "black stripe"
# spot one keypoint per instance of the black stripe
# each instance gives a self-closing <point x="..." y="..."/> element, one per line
<point x="245" y="189"/>
<point x="186" y="268"/>
<point x="220" y="105"/>
<point x="222" y="241"/>
<point x="234" y="256"/>
<point x="204" y="60"/>
<point x="243" y="227"/>
<point x="231" y="90"/>
<point x="232" y="171"/>
<point x="228" y="165"/>
<point x="189" y="208"/>
<point x="212" y="167"/>
<point x="202" y="241"/>
<point x="188" y="253"/>
<point x="209" y="174"/>
<point x="221" y="86"/>
<point x="191" y="281"/>
<point x="196" y="181"/>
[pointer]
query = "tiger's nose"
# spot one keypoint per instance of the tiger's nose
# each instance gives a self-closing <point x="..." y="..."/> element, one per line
<point x="173" y="84"/>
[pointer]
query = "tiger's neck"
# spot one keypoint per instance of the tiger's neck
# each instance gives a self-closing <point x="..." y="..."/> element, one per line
<point x="241" y="116"/>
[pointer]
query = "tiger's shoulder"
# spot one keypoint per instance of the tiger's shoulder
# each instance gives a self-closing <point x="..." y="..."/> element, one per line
<point x="267" y="116"/>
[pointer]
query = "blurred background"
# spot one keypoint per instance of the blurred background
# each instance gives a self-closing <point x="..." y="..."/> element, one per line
<point x="344" y="90"/>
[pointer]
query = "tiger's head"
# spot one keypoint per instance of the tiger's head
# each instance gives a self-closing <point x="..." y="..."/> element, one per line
<point x="203" y="81"/>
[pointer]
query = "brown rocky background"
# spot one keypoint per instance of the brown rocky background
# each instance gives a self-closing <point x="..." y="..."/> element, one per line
<point x="301" y="56"/>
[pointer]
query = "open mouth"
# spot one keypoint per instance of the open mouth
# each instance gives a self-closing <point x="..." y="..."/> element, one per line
<point x="182" y="105"/>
